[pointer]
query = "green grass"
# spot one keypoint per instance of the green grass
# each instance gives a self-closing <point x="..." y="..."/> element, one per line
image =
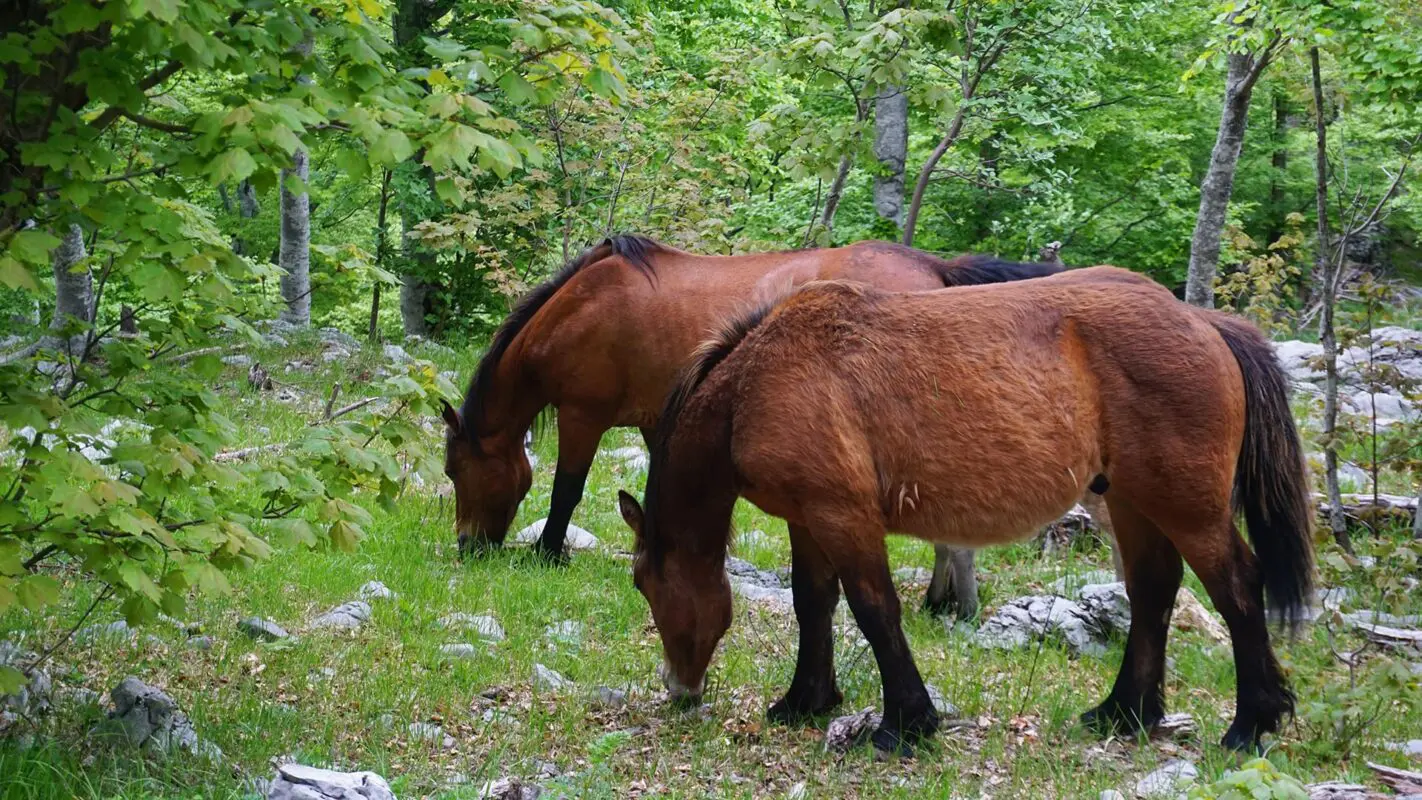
<point x="261" y="701"/>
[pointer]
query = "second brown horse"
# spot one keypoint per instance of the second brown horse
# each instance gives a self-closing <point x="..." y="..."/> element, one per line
<point x="971" y="417"/>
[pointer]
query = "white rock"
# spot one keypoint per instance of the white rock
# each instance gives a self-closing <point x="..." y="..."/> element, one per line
<point x="396" y="353"/>
<point x="300" y="782"/>
<point x="459" y="650"/>
<point x="576" y="539"/>
<point x="547" y="680"/>
<point x="1020" y="621"/>
<point x="912" y="576"/>
<point x="484" y="625"/>
<point x="375" y="590"/>
<point x="1412" y="748"/>
<point x="430" y="732"/>
<point x="346" y="616"/>
<point x="1111" y="794"/>
<point x="509" y="789"/>
<point x="259" y="628"/>
<point x="1170" y="780"/>
<point x="944" y="708"/>
<point x="634" y="459"/>
<point x="566" y="632"/>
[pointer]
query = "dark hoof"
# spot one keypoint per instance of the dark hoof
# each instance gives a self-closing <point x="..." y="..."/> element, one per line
<point x="889" y="742"/>
<point x="1241" y="741"/>
<point x="557" y="558"/>
<point x="1111" y="718"/>
<point x="792" y="710"/>
<point x="937" y="608"/>
<point x="470" y="547"/>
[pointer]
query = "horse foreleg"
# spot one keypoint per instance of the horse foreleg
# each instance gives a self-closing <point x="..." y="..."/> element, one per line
<point x="577" y="446"/>
<point x="954" y="587"/>
<point x="1153" y="570"/>
<point x="816" y="586"/>
<point x="863" y="567"/>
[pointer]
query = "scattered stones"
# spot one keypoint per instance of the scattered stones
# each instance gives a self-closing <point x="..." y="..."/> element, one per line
<point x="1111" y="794"/>
<point x="237" y="360"/>
<point x="484" y="625"/>
<point x="331" y="354"/>
<point x="944" y="708"/>
<point x="912" y="576"/>
<point x="1022" y="620"/>
<point x="338" y="337"/>
<point x="430" y="732"/>
<point x="79" y="696"/>
<point x="634" y="459"/>
<point x="110" y="632"/>
<point x="576" y="539"/>
<point x="849" y="731"/>
<point x="494" y="716"/>
<point x="798" y="792"/>
<point x="1191" y="615"/>
<point x="459" y="650"/>
<point x="275" y="340"/>
<point x="200" y="643"/>
<point x="758" y="585"/>
<point x="395" y="353"/>
<point x="300" y="782"/>
<point x="510" y="789"/>
<point x="606" y="697"/>
<point x="346" y="616"/>
<point x="1109" y="603"/>
<point x="1068" y="584"/>
<point x="300" y="365"/>
<point x="1178" y="727"/>
<point x="262" y="629"/>
<point x="375" y="590"/>
<point x="547" y="680"/>
<point x="146" y="717"/>
<point x="568" y="632"/>
<point x="1412" y="748"/>
<point x="32" y="699"/>
<point x="1170" y="780"/>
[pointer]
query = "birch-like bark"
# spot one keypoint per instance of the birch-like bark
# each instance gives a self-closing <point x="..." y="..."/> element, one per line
<point x="1218" y="185"/>
<point x="891" y="149"/>
<point x="73" y="291"/>
<point x="294" y="255"/>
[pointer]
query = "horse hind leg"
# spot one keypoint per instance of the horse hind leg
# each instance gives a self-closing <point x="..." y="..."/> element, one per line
<point x="1231" y="574"/>
<point x="954" y="586"/>
<point x="1152" y="570"/>
<point x="813" y="690"/>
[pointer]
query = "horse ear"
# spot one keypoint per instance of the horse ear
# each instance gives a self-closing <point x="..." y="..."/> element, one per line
<point x="451" y="417"/>
<point x="631" y="513"/>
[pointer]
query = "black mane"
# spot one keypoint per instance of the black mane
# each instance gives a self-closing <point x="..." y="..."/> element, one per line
<point x="972" y="270"/>
<point x="636" y="250"/>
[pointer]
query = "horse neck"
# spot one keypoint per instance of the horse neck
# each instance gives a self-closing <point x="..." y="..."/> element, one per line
<point x="697" y="491"/>
<point x="512" y="402"/>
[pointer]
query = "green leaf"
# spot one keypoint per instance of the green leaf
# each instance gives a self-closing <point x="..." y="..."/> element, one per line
<point x="15" y="275"/>
<point x="163" y="10"/>
<point x="392" y="147"/>
<point x="10" y="561"/>
<point x="233" y="166"/>
<point x="518" y="89"/>
<point x="37" y="591"/>
<point x="11" y="679"/>
<point x="33" y="246"/>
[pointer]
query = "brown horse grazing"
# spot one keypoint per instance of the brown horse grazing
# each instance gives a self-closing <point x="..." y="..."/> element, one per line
<point x="602" y="342"/>
<point x="972" y="417"/>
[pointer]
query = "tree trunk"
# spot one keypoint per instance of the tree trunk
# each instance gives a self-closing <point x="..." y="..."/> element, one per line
<point x="1279" y="164"/>
<point x="374" y="332"/>
<point x="1326" y="269"/>
<point x="836" y="191"/>
<point x="891" y="149"/>
<point x="926" y="173"/>
<point x="128" y="321"/>
<point x="294" y="255"/>
<point x="1417" y="517"/>
<point x="1218" y="184"/>
<point x="414" y="305"/>
<point x="73" y="291"/>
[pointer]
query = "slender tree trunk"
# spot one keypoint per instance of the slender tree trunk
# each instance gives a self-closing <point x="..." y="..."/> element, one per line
<point x="835" y="193"/>
<point x="926" y="173"/>
<point x="1326" y="269"/>
<point x="73" y="291"/>
<point x="1417" y="517"/>
<point x="294" y="255"/>
<point x="891" y="149"/>
<point x="1218" y="184"/>
<point x="1279" y="164"/>
<point x="380" y="237"/>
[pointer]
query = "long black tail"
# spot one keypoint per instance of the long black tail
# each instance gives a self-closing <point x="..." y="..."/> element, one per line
<point x="971" y="270"/>
<point x="1270" y="486"/>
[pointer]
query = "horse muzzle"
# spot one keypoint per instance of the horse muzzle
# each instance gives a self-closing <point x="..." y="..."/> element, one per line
<point x="677" y="692"/>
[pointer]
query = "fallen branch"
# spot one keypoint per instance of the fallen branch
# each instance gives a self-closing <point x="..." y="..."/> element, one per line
<point x="331" y="401"/>
<point x="183" y="358"/>
<point x="359" y="404"/>
<point x="21" y="354"/>
<point x="247" y="452"/>
<point x="1402" y="781"/>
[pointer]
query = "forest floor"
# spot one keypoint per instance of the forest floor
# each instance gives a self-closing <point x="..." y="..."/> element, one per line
<point x="347" y="699"/>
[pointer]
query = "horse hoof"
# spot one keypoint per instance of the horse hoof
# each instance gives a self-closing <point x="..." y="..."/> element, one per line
<point x="1241" y="741"/>
<point x="891" y="743"/>
<point x="555" y="558"/>
<point x="790" y="711"/>
<point x="1110" y="718"/>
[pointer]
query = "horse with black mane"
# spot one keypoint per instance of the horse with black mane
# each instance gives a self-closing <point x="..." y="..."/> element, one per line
<point x="602" y="342"/>
<point x="971" y="417"/>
